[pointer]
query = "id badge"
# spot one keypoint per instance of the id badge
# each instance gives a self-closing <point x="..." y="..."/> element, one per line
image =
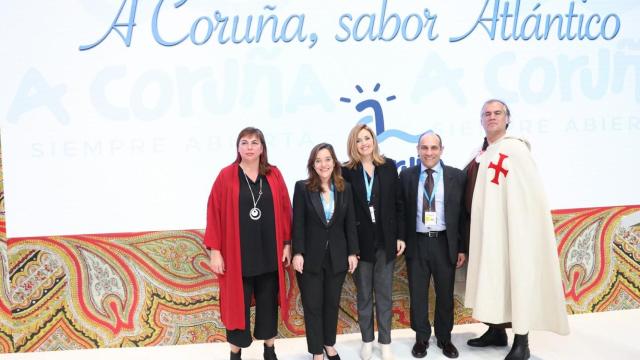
<point x="430" y="218"/>
<point x="373" y="214"/>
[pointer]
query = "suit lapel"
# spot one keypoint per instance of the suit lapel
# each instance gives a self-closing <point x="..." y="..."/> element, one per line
<point x="359" y="188"/>
<point x="413" y="185"/>
<point x="446" y="182"/>
<point x="337" y="205"/>
<point x="358" y="185"/>
<point x="317" y="205"/>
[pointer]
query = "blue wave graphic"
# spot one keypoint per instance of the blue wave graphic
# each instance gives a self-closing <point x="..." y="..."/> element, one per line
<point x="398" y="134"/>
<point x="391" y="133"/>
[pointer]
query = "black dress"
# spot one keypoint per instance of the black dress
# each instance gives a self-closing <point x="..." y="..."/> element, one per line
<point x="257" y="237"/>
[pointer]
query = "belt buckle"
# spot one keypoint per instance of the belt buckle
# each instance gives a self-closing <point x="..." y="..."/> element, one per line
<point x="432" y="234"/>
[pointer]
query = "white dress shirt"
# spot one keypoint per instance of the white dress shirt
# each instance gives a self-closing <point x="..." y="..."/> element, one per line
<point x="438" y="175"/>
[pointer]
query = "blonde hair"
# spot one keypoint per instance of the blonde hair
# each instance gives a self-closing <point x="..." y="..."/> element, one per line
<point x="352" y="148"/>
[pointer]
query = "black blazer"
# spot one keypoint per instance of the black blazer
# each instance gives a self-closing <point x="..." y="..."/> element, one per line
<point x="386" y="214"/>
<point x="312" y="234"/>
<point x="454" y="185"/>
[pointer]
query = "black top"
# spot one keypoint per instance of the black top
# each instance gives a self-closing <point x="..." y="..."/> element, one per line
<point x="378" y="240"/>
<point x="382" y="234"/>
<point x="257" y="237"/>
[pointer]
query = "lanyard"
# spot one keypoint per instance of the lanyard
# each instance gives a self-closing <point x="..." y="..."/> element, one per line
<point x="436" y="182"/>
<point x="368" y="184"/>
<point x="328" y="207"/>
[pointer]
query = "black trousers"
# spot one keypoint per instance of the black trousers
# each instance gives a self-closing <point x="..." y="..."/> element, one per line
<point x="432" y="260"/>
<point x="320" y="300"/>
<point x="265" y="289"/>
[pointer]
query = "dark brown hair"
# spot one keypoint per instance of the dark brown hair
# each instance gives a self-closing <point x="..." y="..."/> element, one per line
<point x="314" y="182"/>
<point x="264" y="166"/>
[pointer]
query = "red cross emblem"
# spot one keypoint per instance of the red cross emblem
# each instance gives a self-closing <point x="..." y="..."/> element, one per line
<point x="498" y="169"/>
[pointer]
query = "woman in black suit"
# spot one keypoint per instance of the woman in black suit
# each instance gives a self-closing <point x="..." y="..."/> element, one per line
<point x="374" y="181"/>
<point x="325" y="244"/>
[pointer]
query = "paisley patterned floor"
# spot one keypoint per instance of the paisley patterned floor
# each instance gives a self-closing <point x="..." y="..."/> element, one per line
<point x="155" y="288"/>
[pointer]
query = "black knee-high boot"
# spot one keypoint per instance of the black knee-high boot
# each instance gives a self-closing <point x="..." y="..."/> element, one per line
<point x="520" y="348"/>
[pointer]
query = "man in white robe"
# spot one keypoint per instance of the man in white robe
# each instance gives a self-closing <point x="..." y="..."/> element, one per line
<point x="513" y="277"/>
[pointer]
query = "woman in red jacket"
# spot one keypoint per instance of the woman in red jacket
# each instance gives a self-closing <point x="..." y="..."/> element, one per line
<point x="248" y="232"/>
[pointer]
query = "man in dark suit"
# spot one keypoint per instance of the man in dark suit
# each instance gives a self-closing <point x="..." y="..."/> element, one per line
<point x="429" y="222"/>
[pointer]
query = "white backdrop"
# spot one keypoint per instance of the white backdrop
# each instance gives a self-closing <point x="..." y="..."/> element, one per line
<point x="119" y="138"/>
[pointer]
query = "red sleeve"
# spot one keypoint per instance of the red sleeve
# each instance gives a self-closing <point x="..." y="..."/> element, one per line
<point x="286" y="209"/>
<point x="285" y="206"/>
<point x="212" y="233"/>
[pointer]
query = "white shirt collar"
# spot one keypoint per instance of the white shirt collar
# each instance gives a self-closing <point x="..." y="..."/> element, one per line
<point x="437" y="168"/>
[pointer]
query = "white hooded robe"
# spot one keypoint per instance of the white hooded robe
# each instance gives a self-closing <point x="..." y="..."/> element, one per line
<point x="513" y="270"/>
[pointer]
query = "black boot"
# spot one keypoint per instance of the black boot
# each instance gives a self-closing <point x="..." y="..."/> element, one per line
<point x="520" y="348"/>
<point x="269" y="352"/>
<point x="235" y="356"/>
<point x="493" y="336"/>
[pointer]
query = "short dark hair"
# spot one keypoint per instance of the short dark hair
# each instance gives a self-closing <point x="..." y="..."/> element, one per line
<point x="430" y="132"/>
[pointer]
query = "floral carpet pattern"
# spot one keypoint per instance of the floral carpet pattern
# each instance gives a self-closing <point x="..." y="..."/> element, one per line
<point x="156" y="288"/>
<point x="6" y="319"/>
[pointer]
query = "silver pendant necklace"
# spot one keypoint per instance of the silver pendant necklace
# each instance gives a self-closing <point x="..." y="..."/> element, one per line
<point x="254" y="213"/>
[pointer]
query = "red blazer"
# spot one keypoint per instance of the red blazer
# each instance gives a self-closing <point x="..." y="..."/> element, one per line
<point x="223" y="234"/>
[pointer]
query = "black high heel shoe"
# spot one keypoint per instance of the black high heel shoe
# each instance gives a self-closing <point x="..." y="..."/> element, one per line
<point x="331" y="357"/>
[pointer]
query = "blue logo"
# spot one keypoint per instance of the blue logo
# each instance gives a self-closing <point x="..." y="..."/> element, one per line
<point x="382" y="133"/>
